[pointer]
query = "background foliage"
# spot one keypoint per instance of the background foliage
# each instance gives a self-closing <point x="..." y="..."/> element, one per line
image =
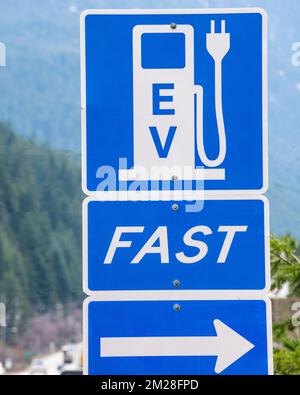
<point x="40" y="228"/>
<point x="286" y="268"/>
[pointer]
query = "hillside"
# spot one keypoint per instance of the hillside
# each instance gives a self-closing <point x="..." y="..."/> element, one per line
<point x="40" y="87"/>
<point x="40" y="227"/>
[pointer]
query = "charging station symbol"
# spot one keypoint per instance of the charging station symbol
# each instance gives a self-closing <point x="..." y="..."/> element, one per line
<point x="168" y="105"/>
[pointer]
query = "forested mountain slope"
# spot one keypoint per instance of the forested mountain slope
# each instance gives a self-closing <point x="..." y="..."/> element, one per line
<point x="40" y="226"/>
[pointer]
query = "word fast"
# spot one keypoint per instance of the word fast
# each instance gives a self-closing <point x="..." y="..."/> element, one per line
<point x="158" y="243"/>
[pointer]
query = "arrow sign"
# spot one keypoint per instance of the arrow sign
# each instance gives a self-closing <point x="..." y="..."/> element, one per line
<point x="228" y="346"/>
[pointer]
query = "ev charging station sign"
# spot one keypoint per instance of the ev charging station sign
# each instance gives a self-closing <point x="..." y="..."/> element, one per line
<point x="175" y="100"/>
<point x="174" y="96"/>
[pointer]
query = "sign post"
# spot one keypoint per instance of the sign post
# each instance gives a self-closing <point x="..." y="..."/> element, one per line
<point x="174" y="160"/>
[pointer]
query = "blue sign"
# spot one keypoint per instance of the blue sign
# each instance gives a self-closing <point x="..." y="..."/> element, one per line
<point x="163" y="246"/>
<point x="187" y="337"/>
<point x="172" y="96"/>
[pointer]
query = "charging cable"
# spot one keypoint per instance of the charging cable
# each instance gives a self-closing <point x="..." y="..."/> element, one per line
<point x="217" y="44"/>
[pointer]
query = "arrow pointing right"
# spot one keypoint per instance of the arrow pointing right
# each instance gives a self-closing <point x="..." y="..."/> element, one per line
<point x="228" y="346"/>
<point x="232" y="346"/>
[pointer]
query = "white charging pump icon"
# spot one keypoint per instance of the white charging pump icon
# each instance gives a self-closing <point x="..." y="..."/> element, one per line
<point x="168" y="109"/>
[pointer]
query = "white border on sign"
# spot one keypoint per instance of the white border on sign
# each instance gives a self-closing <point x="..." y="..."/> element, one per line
<point x="204" y="297"/>
<point x="130" y="295"/>
<point x="144" y="195"/>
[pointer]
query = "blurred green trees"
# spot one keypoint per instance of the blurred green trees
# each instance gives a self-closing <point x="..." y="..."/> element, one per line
<point x="40" y="228"/>
<point x="285" y="266"/>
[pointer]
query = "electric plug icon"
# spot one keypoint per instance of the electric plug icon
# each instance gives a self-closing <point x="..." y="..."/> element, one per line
<point x="217" y="44"/>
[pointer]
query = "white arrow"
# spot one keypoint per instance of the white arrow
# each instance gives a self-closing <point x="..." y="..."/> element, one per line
<point x="228" y="346"/>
